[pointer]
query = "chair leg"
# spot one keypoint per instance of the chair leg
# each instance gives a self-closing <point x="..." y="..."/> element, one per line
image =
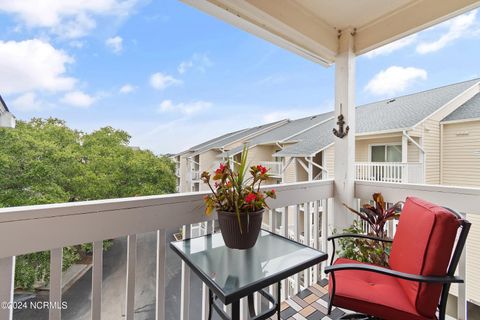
<point x="331" y="295"/>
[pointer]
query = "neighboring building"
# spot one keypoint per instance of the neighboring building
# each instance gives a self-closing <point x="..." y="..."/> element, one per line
<point x="7" y="120"/>
<point x="417" y="138"/>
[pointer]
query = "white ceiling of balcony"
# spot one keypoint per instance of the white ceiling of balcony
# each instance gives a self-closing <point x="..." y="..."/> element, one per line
<point x="310" y="27"/>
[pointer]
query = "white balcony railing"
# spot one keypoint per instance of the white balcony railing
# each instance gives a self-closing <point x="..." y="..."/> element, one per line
<point x="274" y="168"/>
<point x="195" y="175"/>
<point x="390" y="172"/>
<point x="52" y="227"/>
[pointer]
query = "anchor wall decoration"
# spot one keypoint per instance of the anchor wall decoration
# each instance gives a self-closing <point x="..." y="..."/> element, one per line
<point x="341" y="132"/>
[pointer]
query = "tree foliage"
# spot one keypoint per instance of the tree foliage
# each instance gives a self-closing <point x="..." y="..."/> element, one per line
<point x="43" y="161"/>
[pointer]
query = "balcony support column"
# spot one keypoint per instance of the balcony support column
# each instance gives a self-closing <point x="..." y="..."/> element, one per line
<point x="345" y="147"/>
<point x="404" y="172"/>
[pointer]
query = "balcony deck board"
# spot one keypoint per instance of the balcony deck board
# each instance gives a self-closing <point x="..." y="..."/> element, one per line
<point x="310" y="304"/>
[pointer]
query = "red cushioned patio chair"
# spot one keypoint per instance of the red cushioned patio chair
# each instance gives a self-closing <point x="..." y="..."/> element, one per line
<point x="424" y="255"/>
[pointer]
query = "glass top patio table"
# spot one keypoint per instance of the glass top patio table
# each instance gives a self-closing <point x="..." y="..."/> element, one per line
<point x="233" y="274"/>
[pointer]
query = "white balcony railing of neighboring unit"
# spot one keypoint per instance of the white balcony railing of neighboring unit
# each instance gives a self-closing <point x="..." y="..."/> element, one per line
<point x="390" y="172"/>
<point x="195" y="175"/>
<point x="274" y="168"/>
<point x="52" y="227"/>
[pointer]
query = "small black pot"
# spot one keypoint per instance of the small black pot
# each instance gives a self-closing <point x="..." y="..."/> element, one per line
<point x="251" y="225"/>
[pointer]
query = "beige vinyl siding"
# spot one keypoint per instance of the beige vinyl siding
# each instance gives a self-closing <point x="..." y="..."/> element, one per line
<point x="461" y="154"/>
<point x="262" y="153"/>
<point x="207" y="159"/>
<point x="290" y="173"/>
<point x="184" y="186"/>
<point x="329" y="161"/>
<point x="301" y="173"/>
<point x="413" y="151"/>
<point x="431" y="145"/>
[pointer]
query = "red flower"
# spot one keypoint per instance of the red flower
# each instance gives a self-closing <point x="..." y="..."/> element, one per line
<point x="262" y="169"/>
<point x="273" y="191"/>
<point x="250" y="197"/>
<point x="220" y="169"/>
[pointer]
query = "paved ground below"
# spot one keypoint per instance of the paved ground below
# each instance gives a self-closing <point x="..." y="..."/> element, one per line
<point x="79" y="295"/>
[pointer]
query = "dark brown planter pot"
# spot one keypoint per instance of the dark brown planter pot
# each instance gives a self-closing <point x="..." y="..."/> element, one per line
<point x="251" y="225"/>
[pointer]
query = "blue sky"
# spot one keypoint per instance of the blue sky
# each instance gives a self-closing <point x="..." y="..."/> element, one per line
<point x="173" y="76"/>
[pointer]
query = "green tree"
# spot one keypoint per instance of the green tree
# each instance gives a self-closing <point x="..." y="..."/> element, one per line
<point x="43" y="161"/>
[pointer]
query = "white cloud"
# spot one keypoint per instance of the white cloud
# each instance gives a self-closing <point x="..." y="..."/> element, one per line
<point x="66" y="18"/>
<point x="127" y="88"/>
<point x="27" y="102"/>
<point x="391" y="47"/>
<point x="198" y="61"/>
<point x="78" y="99"/>
<point x="188" y="108"/>
<point x="456" y="28"/>
<point x="33" y="65"/>
<point x="115" y="44"/>
<point x="394" y="80"/>
<point x="161" y="81"/>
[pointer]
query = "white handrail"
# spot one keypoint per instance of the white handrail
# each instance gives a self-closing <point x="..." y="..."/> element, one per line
<point x="411" y="172"/>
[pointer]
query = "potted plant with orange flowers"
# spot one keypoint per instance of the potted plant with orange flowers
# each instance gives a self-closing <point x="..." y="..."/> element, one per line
<point x="238" y="200"/>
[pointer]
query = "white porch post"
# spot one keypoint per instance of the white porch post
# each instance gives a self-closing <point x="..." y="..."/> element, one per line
<point x="344" y="148"/>
<point x="404" y="171"/>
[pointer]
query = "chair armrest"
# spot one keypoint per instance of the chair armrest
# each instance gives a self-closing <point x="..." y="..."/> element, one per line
<point x="393" y="273"/>
<point x="356" y="235"/>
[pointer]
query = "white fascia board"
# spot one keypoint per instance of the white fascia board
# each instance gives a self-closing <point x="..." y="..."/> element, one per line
<point x="397" y="130"/>
<point x="286" y="34"/>
<point x="460" y="120"/>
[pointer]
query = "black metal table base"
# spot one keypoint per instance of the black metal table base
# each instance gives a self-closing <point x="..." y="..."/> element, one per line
<point x="251" y="307"/>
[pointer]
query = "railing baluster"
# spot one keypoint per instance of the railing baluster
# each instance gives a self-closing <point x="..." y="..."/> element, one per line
<point x="462" y="296"/>
<point x="205" y="302"/>
<point x="273" y="228"/>
<point x="306" y="238"/>
<point x="97" y="279"/>
<point x="160" y="283"/>
<point x="285" y="234"/>
<point x="131" y="266"/>
<point x="55" y="299"/>
<point x="296" y="233"/>
<point x="185" y="286"/>
<point x="324" y="233"/>
<point x="315" y="236"/>
<point x="7" y="274"/>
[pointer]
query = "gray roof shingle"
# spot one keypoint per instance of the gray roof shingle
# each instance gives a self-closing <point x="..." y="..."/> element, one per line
<point x="3" y="106"/>
<point x="468" y="110"/>
<point x="392" y="114"/>
<point x="406" y="111"/>
<point x="289" y="129"/>
<point x="395" y="114"/>
<point x="228" y="138"/>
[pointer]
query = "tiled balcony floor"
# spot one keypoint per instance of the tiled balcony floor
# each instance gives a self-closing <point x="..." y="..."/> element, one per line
<point x="310" y="304"/>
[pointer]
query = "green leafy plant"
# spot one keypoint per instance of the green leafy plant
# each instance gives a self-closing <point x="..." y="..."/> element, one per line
<point x="376" y="216"/>
<point x="363" y="250"/>
<point x="44" y="161"/>
<point x="234" y="191"/>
